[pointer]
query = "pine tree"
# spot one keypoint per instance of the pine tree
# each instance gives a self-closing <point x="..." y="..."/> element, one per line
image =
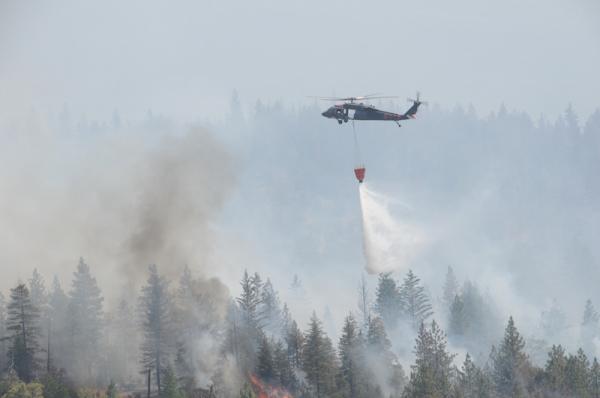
<point x="589" y="327"/>
<point x="231" y="343"/>
<point x="184" y="367"/>
<point x="286" y="320"/>
<point x="249" y="325"/>
<point x="377" y="340"/>
<point x="577" y="375"/>
<point x="553" y="321"/>
<point x="58" y="342"/>
<point x="265" y="368"/>
<point x="380" y="356"/>
<point x="364" y="303"/>
<point x="479" y="315"/>
<point x="296" y="283"/>
<point x="417" y="307"/>
<point x="472" y="321"/>
<point x="450" y="289"/>
<point x="39" y="299"/>
<point x="22" y="325"/>
<point x="37" y="291"/>
<point x="236" y="115"/>
<point x="198" y="309"/>
<point x="472" y="381"/>
<point x="590" y="315"/>
<point x="84" y="323"/>
<point x="387" y="300"/>
<point x="594" y="381"/>
<point x="270" y="308"/>
<point x="257" y="286"/>
<point x="171" y="389"/>
<point x="318" y="359"/>
<point x="154" y="307"/>
<point x="397" y="381"/>
<point x="554" y="372"/>
<point x="190" y="320"/>
<point x="56" y="385"/>
<point x="185" y="290"/>
<point x="294" y="341"/>
<point x="249" y="300"/>
<point x="467" y="379"/>
<point x="3" y="332"/>
<point x="510" y="364"/>
<point x="284" y="371"/>
<point x="457" y="324"/>
<point x="571" y="121"/>
<point x="124" y="342"/>
<point x="351" y="354"/>
<point x="431" y="373"/>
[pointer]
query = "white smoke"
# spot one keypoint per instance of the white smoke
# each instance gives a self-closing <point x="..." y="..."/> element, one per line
<point x="391" y="241"/>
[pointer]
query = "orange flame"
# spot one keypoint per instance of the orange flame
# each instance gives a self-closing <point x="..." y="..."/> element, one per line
<point x="267" y="391"/>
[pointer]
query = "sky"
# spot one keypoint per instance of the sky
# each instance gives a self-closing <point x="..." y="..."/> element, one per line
<point x="185" y="58"/>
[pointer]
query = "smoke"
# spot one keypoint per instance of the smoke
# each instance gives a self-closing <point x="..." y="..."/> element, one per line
<point x="122" y="198"/>
<point x="202" y="311"/>
<point x="390" y="243"/>
<point x="181" y="187"/>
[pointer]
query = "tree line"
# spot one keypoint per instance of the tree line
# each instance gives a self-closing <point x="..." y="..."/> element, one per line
<point x="195" y="339"/>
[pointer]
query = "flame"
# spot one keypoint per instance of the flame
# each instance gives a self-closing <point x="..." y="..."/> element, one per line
<point x="267" y="391"/>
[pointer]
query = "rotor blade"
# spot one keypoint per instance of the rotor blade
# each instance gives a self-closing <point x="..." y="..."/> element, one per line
<point x="378" y="97"/>
<point x="329" y="98"/>
<point x="338" y="98"/>
<point x="371" y="95"/>
<point x="362" y="97"/>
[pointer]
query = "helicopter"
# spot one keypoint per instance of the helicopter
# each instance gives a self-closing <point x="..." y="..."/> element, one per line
<point x="362" y="111"/>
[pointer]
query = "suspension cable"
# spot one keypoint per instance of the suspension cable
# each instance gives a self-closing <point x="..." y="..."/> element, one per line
<point x="357" y="157"/>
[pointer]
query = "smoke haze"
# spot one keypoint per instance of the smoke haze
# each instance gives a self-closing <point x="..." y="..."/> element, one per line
<point x="122" y="200"/>
<point x="181" y="135"/>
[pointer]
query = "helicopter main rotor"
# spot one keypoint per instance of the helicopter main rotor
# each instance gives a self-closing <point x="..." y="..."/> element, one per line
<point x="355" y="99"/>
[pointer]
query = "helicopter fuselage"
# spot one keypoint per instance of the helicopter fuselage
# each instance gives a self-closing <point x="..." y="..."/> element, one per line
<point x="360" y="111"/>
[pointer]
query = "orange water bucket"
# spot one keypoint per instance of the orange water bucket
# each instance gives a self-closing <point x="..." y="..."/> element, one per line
<point x="359" y="172"/>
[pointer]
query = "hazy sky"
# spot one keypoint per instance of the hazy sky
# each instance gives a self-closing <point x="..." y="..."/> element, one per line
<point x="184" y="58"/>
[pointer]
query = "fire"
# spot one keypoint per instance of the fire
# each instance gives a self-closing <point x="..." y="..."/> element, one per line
<point x="267" y="391"/>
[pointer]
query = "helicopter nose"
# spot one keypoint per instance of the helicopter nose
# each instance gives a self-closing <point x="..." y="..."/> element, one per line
<point x="329" y="113"/>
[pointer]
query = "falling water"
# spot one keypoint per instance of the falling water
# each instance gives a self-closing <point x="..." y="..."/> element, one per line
<point x="390" y="242"/>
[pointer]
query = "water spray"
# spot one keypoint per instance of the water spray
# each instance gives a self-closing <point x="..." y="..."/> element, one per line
<point x="391" y="242"/>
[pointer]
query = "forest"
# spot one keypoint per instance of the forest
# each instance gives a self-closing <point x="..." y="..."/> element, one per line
<point x="174" y="338"/>
<point x="425" y="330"/>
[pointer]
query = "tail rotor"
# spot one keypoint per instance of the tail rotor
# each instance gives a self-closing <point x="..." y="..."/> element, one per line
<point x="417" y="101"/>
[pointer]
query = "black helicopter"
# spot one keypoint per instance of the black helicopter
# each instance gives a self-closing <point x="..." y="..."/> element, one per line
<point x="362" y="111"/>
